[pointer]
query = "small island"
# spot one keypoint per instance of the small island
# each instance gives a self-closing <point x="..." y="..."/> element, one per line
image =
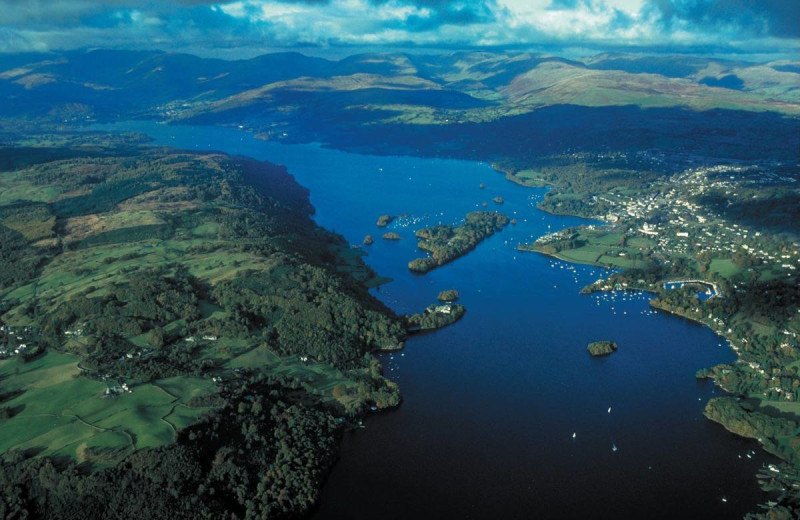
<point x="435" y="317"/>
<point x="446" y="243"/>
<point x="368" y="240"/>
<point x="449" y="295"/>
<point x="391" y="235"/>
<point x="385" y="220"/>
<point x="498" y="200"/>
<point x="601" y="348"/>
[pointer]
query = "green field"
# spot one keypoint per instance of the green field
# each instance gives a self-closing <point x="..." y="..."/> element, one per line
<point x="725" y="267"/>
<point x="15" y="188"/>
<point x="60" y="412"/>
<point x="781" y="406"/>
<point x="528" y="177"/>
<point x="74" y="273"/>
<point x="582" y="255"/>
<point x="325" y="382"/>
<point x="600" y="246"/>
<point x="596" y="255"/>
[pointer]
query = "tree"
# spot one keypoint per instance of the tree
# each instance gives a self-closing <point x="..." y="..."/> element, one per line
<point x="156" y="337"/>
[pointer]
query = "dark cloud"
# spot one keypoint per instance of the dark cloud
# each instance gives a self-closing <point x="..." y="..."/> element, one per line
<point x="446" y="13"/>
<point x="178" y="24"/>
<point x="779" y="18"/>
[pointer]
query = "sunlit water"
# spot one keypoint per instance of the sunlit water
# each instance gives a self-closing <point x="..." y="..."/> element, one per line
<point x="505" y="415"/>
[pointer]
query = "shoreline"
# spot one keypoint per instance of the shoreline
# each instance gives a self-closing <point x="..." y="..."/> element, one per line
<point x="735" y="415"/>
<point x="561" y="259"/>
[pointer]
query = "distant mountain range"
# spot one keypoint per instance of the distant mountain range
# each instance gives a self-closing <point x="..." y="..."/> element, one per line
<point x="416" y="89"/>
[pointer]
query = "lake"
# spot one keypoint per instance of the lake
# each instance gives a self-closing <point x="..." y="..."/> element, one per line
<point x="491" y="403"/>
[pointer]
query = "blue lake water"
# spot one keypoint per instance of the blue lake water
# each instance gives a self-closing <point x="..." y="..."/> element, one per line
<point x="491" y="404"/>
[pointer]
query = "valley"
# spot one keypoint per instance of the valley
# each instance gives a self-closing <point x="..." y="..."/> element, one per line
<point x="172" y="280"/>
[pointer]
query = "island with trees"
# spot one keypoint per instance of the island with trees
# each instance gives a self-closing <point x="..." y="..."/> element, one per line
<point x="449" y="295"/>
<point x="601" y="348"/>
<point x="385" y="220"/>
<point x="435" y="317"/>
<point x="446" y="243"/>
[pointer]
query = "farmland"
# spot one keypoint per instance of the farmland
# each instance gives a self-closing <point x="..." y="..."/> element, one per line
<point x="144" y="289"/>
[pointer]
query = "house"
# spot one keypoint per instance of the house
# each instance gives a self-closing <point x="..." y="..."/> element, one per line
<point x="649" y="230"/>
<point x="444" y="309"/>
<point x="113" y="391"/>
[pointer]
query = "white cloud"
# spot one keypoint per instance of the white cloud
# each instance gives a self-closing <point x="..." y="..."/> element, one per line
<point x="359" y="21"/>
<point x="345" y="21"/>
<point x="593" y="19"/>
<point x="285" y="23"/>
<point x="346" y="12"/>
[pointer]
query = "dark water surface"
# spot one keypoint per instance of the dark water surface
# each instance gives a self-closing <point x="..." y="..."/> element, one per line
<point x="491" y="403"/>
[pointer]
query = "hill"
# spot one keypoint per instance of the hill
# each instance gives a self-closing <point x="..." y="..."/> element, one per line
<point x="418" y="89"/>
<point x="168" y="315"/>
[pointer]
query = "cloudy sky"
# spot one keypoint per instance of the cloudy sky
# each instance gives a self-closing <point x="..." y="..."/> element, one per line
<point x="754" y="26"/>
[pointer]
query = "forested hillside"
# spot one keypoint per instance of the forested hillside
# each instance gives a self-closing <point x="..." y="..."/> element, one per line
<point x="179" y="339"/>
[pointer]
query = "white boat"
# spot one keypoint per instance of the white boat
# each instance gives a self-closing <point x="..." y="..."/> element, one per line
<point x="574" y="435"/>
<point x="609" y="409"/>
<point x="613" y="447"/>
